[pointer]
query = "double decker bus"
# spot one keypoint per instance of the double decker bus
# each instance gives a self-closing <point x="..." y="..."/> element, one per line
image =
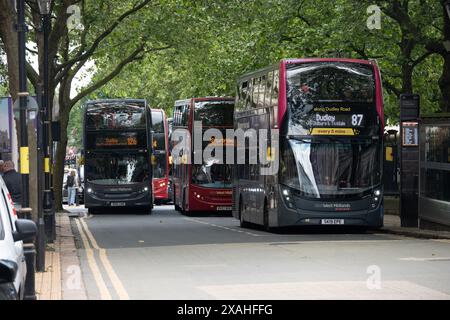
<point x="160" y="158"/>
<point x="329" y="116"/>
<point x="203" y="186"/>
<point x="117" y="169"/>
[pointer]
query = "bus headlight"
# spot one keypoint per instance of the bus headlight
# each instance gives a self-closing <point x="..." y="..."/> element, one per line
<point x="286" y="195"/>
<point x="377" y="195"/>
<point x="89" y="190"/>
<point x="145" y="189"/>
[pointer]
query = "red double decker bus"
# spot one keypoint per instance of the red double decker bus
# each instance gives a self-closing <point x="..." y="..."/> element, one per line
<point x="329" y="118"/>
<point x="204" y="186"/>
<point x="160" y="158"/>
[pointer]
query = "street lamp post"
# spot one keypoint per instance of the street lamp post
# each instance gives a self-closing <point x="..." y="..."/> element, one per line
<point x="45" y="9"/>
<point x="25" y="210"/>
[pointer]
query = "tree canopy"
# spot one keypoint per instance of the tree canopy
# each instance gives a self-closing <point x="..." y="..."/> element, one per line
<point x="164" y="50"/>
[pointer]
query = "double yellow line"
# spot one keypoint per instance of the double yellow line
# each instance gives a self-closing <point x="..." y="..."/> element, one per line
<point x="87" y="238"/>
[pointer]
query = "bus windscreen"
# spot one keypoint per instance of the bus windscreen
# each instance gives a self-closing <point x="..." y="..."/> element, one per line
<point x="214" y="113"/>
<point x="322" y="168"/>
<point x="331" y="98"/>
<point x="116" y="168"/>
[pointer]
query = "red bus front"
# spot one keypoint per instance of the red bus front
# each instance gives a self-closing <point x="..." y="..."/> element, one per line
<point x="205" y="185"/>
<point x="160" y="159"/>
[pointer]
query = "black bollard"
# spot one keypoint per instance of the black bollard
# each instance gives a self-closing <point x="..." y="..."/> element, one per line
<point x="30" y="258"/>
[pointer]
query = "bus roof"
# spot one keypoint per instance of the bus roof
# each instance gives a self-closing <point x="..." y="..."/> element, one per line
<point x="303" y="60"/>
<point x="104" y="101"/>
<point x="181" y="102"/>
<point x="306" y="60"/>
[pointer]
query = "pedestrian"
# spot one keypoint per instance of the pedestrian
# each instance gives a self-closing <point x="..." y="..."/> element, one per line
<point x="72" y="187"/>
<point x="12" y="180"/>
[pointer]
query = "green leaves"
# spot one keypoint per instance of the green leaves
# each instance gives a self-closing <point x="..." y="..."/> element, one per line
<point x="214" y="42"/>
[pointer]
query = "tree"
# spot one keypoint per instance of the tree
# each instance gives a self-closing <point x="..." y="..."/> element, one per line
<point x="70" y="50"/>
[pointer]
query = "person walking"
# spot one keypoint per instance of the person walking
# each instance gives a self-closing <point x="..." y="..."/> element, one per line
<point x="12" y="181"/>
<point x="72" y="187"/>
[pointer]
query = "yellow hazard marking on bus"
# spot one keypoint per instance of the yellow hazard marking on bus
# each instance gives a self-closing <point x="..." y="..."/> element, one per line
<point x="117" y="284"/>
<point x="47" y="165"/>
<point x="270" y="154"/>
<point x="24" y="160"/>
<point x="104" y="293"/>
<point x="333" y="131"/>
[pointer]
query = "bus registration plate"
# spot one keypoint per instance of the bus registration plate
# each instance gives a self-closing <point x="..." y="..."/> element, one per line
<point x="223" y="208"/>
<point x="332" y="221"/>
<point x="118" y="204"/>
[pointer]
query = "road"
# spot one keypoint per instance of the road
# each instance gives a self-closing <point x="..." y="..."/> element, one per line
<point x="169" y="256"/>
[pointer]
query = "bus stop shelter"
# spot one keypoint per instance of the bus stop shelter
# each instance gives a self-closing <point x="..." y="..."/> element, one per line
<point x="434" y="176"/>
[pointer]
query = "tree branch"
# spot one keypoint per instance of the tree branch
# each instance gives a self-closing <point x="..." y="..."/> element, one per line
<point x="101" y="37"/>
<point x="137" y="54"/>
<point x="391" y="88"/>
<point x="421" y="58"/>
<point x="32" y="75"/>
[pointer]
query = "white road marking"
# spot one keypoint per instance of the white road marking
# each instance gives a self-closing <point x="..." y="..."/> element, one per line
<point x="117" y="284"/>
<point x="442" y="240"/>
<point x="425" y="259"/>
<point x="340" y="290"/>
<point x="104" y="293"/>
<point x="224" y="228"/>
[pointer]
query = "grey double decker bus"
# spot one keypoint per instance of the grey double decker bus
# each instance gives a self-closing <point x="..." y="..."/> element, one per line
<point x="117" y="150"/>
<point x="329" y="118"/>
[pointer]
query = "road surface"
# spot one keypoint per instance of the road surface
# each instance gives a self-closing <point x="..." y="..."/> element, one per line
<point x="127" y="255"/>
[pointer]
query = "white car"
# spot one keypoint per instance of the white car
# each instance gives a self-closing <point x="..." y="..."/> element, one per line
<point x="13" y="231"/>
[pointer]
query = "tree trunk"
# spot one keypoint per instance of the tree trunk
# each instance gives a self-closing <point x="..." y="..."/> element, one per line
<point x="407" y="76"/>
<point x="8" y="35"/>
<point x="60" y="157"/>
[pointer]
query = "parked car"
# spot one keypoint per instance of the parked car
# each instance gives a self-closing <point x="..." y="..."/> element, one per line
<point x="13" y="268"/>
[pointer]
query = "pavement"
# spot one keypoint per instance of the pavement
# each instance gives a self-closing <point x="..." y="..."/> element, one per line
<point x="62" y="279"/>
<point x="392" y="225"/>
<point x="126" y="255"/>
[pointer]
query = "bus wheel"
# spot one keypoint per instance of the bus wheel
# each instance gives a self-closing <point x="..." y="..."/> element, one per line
<point x="242" y="222"/>
<point x="266" y="218"/>
<point x="183" y="209"/>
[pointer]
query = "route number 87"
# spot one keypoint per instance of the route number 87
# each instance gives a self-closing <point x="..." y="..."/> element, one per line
<point x="357" y="119"/>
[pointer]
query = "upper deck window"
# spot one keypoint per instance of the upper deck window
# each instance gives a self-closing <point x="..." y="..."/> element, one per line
<point x="115" y="115"/>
